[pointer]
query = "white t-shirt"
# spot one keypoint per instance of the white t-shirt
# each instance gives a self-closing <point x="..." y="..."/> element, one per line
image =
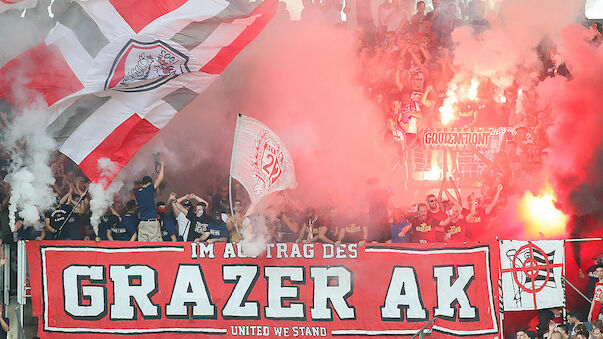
<point x="183" y="225"/>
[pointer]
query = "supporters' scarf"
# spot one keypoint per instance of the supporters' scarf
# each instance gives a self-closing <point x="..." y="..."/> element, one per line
<point x="311" y="224"/>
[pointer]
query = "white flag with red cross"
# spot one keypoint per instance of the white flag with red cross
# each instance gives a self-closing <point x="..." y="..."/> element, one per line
<point x="532" y="274"/>
<point x="260" y="161"/>
<point x="114" y="72"/>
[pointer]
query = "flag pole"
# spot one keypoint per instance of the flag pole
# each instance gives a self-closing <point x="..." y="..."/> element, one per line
<point x="232" y="160"/>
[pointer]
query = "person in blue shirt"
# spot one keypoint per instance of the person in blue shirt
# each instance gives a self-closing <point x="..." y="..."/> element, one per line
<point x="128" y="223"/>
<point x="398" y="224"/>
<point x="108" y="221"/>
<point x="149" y="228"/>
<point x="4" y="324"/>
<point x="217" y="231"/>
<point x="168" y="222"/>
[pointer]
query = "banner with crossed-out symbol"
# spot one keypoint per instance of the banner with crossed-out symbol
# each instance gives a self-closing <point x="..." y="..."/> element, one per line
<point x="532" y="274"/>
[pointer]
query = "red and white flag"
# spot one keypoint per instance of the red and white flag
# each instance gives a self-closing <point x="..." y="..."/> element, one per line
<point x="114" y="72"/>
<point x="260" y="161"/>
<point x="6" y="5"/>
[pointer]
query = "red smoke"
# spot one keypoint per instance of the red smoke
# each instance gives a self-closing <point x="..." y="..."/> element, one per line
<point x="301" y="80"/>
<point x="576" y="159"/>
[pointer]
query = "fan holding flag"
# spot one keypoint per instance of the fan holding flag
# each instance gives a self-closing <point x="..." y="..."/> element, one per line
<point x="260" y="162"/>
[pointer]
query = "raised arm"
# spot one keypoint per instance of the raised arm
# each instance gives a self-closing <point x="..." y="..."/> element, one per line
<point x="398" y="78"/>
<point x="65" y="197"/>
<point x="472" y="208"/>
<point x="459" y="198"/>
<point x="114" y="212"/>
<point x="425" y="101"/>
<point x="442" y="189"/>
<point x="495" y="200"/>
<point x="451" y="198"/>
<point x="194" y="196"/>
<point x="177" y="204"/>
<point x="159" y="176"/>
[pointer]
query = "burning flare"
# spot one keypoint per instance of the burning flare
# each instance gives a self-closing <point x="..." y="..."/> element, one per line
<point x="539" y="214"/>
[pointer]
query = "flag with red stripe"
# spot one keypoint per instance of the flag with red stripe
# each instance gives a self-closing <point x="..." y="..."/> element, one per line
<point x="6" y="5"/>
<point x="114" y="72"/>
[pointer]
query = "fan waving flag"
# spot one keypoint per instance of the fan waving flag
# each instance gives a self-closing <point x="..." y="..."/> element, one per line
<point x="532" y="274"/>
<point x="260" y="161"/>
<point x="114" y="72"/>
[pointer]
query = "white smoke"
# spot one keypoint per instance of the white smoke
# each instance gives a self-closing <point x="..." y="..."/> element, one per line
<point x="102" y="198"/>
<point x="30" y="176"/>
<point x="255" y="235"/>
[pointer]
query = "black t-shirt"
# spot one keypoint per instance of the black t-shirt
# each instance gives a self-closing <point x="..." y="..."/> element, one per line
<point x="108" y="221"/>
<point x="593" y="279"/>
<point x="199" y="224"/>
<point x="28" y="233"/>
<point x="57" y="219"/>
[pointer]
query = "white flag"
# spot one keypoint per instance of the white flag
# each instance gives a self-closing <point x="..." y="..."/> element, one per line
<point x="6" y="5"/>
<point x="260" y="161"/>
<point x="532" y="274"/>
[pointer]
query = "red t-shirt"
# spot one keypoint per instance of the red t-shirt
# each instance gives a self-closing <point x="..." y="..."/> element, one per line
<point x="421" y="232"/>
<point x="456" y="230"/>
<point x="596" y="300"/>
<point x="434" y="220"/>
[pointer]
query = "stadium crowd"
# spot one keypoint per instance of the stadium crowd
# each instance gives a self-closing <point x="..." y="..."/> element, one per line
<point x="407" y="64"/>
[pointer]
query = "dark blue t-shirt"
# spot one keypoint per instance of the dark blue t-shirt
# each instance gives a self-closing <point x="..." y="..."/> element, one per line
<point x="217" y="229"/>
<point x="396" y="228"/>
<point x="28" y="232"/>
<point x="126" y="227"/>
<point x="168" y="227"/>
<point x="108" y="221"/>
<point x="2" y="332"/>
<point x="146" y="202"/>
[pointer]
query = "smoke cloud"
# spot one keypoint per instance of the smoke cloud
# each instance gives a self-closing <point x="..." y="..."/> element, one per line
<point x="102" y="198"/>
<point x="30" y="176"/>
<point x="576" y="159"/>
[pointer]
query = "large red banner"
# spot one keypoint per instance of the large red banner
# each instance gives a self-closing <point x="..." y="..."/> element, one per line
<point x="165" y="290"/>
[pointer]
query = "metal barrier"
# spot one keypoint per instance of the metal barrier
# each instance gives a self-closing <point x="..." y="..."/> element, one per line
<point x="6" y="275"/>
<point x="18" y="267"/>
<point x="22" y="287"/>
<point x="420" y="333"/>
